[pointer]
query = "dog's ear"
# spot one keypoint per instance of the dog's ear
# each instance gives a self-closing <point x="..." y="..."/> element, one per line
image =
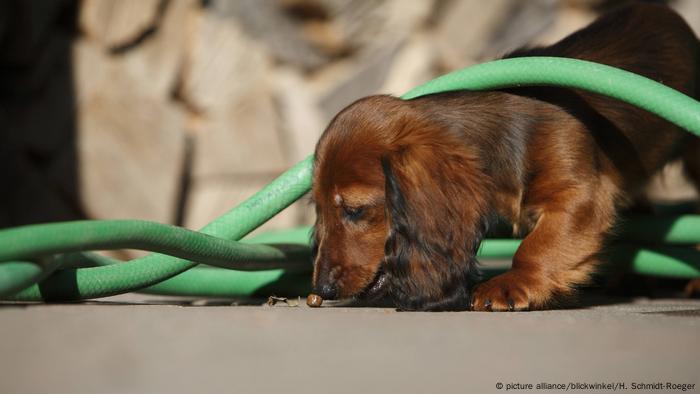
<point x="436" y="208"/>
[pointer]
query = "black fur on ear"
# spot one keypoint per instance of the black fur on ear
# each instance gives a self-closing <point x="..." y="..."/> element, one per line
<point x="437" y="214"/>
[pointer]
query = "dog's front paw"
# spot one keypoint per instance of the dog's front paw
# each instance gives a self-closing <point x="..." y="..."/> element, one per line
<point x="511" y="291"/>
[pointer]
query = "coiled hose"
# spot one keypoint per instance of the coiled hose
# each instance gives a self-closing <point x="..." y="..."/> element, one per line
<point x="44" y="262"/>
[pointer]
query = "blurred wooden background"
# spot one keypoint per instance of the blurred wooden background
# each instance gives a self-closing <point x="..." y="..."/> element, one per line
<point x="177" y="110"/>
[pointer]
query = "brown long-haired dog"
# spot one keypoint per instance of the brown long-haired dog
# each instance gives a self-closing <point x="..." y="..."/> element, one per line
<point x="405" y="190"/>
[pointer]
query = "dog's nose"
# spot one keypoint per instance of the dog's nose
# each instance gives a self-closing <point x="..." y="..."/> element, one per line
<point x="328" y="291"/>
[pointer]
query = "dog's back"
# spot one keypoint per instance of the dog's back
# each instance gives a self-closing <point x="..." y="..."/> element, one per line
<point x="647" y="39"/>
<point x="644" y="38"/>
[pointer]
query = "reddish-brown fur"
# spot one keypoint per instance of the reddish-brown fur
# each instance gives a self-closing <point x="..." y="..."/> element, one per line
<point x="405" y="190"/>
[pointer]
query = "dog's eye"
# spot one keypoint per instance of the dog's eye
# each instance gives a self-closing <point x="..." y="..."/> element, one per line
<point x="353" y="213"/>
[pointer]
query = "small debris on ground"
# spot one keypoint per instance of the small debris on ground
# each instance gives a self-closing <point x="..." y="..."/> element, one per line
<point x="273" y="300"/>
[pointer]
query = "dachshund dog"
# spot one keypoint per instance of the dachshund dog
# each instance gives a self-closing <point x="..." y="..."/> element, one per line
<point x="405" y="190"/>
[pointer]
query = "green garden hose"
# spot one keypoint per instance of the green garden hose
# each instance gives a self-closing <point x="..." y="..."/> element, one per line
<point x="170" y="274"/>
<point x="103" y="281"/>
<point x="634" y="89"/>
<point x="48" y="239"/>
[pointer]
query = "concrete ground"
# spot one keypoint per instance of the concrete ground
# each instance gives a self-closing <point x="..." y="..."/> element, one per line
<point x="129" y="344"/>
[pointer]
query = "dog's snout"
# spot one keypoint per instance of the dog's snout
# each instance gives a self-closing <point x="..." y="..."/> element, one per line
<point x="325" y="279"/>
<point x="327" y="290"/>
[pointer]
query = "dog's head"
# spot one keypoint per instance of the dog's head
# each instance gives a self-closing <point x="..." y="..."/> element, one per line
<point x="401" y="206"/>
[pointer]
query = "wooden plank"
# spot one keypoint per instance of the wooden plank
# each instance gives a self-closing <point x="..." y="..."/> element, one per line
<point x="130" y="144"/>
<point x="114" y="23"/>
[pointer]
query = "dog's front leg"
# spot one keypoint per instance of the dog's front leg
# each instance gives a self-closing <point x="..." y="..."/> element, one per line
<point x="559" y="253"/>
